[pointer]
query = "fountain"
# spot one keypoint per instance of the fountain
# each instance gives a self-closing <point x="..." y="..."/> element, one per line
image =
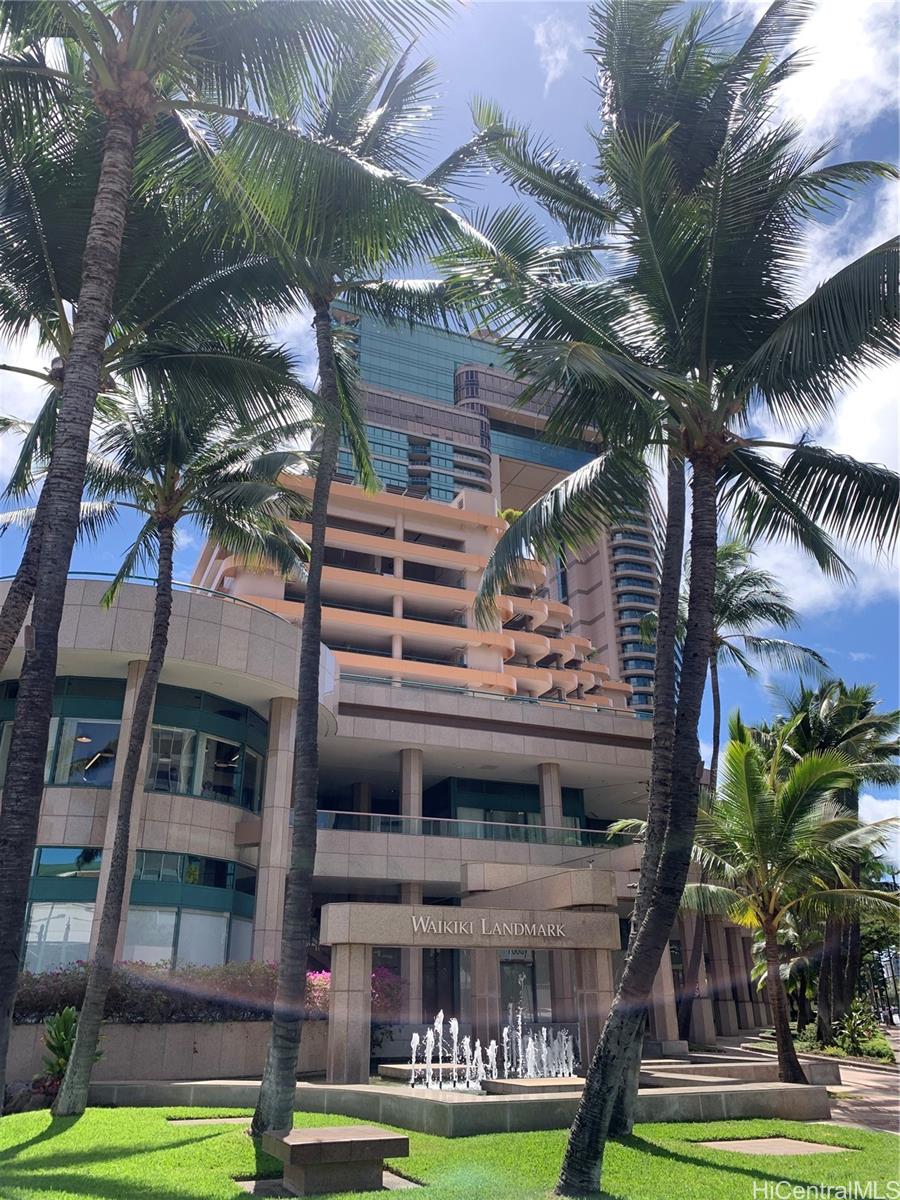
<point x="527" y="1053"/>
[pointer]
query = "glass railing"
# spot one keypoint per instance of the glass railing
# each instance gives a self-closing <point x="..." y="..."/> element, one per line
<point x="474" y="693"/>
<point x="484" y="831"/>
<point x="178" y="585"/>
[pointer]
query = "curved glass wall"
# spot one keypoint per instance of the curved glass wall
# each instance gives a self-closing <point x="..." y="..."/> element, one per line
<point x="204" y="745"/>
<point x="183" y="908"/>
<point x="201" y="744"/>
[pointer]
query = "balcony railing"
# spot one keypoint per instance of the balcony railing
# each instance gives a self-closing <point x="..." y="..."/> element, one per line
<point x="484" y="831"/>
<point x="178" y="585"/>
<point x="474" y="693"/>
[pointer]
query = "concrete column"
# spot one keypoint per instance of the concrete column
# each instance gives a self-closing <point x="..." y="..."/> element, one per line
<point x="721" y="977"/>
<point x="551" y="794"/>
<point x="593" y="998"/>
<point x="362" y="797"/>
<point x="757" y="1003"/>
<point x="132" y="683"/>
<point x="411" y="762"/>
<point x="411" y="962"/>
<point x="703" y="1025"/>
<point x="349" y="1015"/>
<point x="739" y="975"/>
<point x="562" y="987"/>
<point x="665" y="1010"/>
<point x="486" y="994"/>
<point x="275" y="833"/>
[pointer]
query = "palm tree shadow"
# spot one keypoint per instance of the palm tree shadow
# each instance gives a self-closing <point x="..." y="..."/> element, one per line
<point x="691" y="1160"/>
<point x="57" y="1126"/>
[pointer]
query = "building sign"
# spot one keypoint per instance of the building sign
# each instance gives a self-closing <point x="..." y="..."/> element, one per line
<point x="461" y="927"/>
<point x="488" y="928"/>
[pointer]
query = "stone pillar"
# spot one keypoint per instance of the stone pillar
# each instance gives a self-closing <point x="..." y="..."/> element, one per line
<point x="349" y="1015"/>
<point x="486" y="1017"/>
<point x="362" y="797"/>
<point x="562" y="987"/>
<point x="275" y="832"/>
<point x="551" y="794"/>
<point x="703" y="1025"/>
<point x="132" y="683"/>
<point x="593" y="998"/>
<point x="741" y="982"/>
<point x="411" y="761"/>
<point x="411" y="962"/>
<point x="665" y="1010"/>
<point x="721" y="977"/>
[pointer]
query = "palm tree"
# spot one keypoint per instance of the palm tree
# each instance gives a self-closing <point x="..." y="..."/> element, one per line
<point x="848" y="720"/>
<point x="194" y="91"/>
<point x="173" y="457"/>
<point x="380" y="108"/>
<point x="707" y="198"/>
<point x="182" y="281"/>
<point x="183" y="291"/>
<point x="776" y="841"/>
<point x="745" y="599"/>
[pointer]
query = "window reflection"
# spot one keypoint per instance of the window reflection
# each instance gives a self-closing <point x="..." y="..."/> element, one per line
<point x="87" y="752"/>
<point x="171" y="759"/>
<point x="220" y="762"/>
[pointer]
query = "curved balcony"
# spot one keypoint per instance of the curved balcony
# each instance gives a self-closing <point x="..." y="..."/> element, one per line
<point x="347" y="495"/>
<point x="387" y="547"/>
<point x="466" y="678"/>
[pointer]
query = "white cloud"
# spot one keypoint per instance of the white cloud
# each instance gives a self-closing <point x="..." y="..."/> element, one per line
<point x="297" y="333"/>
<point x="872" y="809"/>
<point x="851" y="79"/>
<point x="555" y="40"/>
<point x="20" y="395"/>
<point x="852" y="53"/>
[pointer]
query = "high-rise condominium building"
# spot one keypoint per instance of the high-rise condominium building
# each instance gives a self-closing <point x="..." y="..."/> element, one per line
<point x="463" y="770"/>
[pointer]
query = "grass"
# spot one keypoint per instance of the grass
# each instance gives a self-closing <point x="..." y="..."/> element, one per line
<point x="136" y="1154"/>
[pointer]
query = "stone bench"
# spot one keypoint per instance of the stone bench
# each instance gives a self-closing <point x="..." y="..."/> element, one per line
<point x="344" y="1158"/>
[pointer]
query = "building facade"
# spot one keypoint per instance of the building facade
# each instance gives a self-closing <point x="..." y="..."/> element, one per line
<point x="462" y="769"/>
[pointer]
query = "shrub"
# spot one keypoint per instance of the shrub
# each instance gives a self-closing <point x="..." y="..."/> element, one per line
<point x="142" y="993"/>
<point x="857" y="1028"/>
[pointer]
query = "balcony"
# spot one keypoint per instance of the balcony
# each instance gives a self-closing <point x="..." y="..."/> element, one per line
<point x="485" y="831"/>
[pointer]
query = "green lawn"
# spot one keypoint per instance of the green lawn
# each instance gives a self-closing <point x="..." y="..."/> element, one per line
<point x="136" y="1154"/>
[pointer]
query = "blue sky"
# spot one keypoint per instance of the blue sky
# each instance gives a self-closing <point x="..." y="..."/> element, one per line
<point x="530" y="58"/>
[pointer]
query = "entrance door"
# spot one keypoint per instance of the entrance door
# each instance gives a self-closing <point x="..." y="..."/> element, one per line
<point x="517" y="984"/>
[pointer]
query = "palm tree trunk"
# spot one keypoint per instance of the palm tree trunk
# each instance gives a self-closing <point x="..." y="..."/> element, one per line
<point x="717" y="722"/>
<point x="274" y="1107"/>
<point x="804" y="1012"/>
<point x="622" y="1120"/>
<point x="789" y="1069"/>
<point x="21" y="590"/>
<point x="71" y="1100"/>
<point x="824" y="991"/>
<point x="652" y="923"/>
<point x="28" y="747"/>
<point x="695" y="958"/>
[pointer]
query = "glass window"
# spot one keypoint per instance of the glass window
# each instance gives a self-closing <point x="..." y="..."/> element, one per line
<point x="202" y="938"/>
<point x="251" y="789"/>
<point x="57" y="934"/>
<point x="241" y="942"/>
<point x="153" y="866"/>
<point x="218" y="763"/>
<point x="171" y="759"/>
<point x="207" y="872"/>
<point x="87" y="752"/>
<point x="68" y="862"/>
<point x="244" y="879"/>
<point x="149" y="934"/>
